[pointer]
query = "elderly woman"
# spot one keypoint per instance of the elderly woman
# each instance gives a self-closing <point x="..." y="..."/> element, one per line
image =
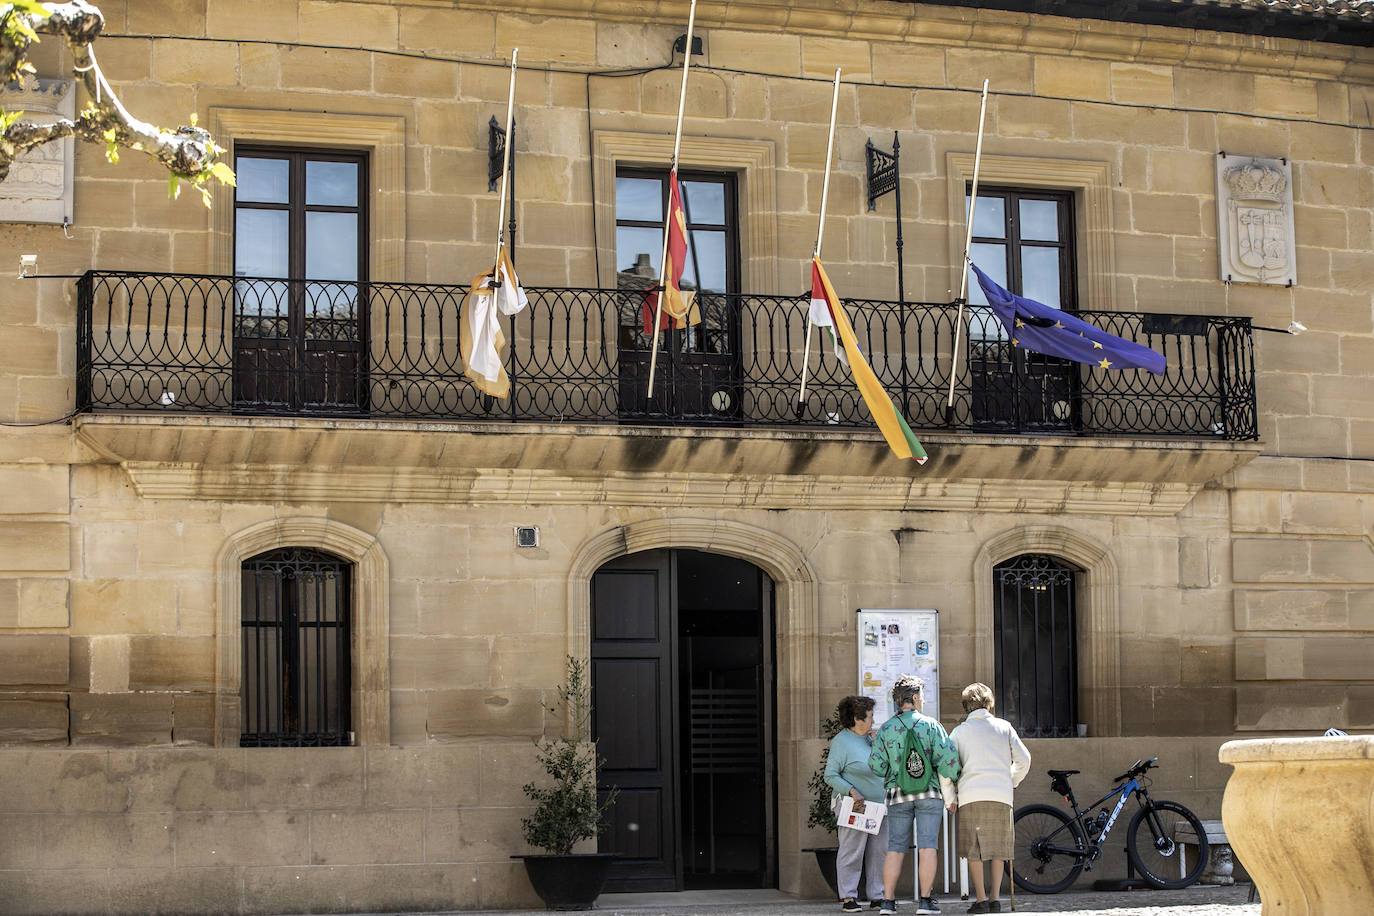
<point x="847" y="773"/>
<point x="993" y="761"/>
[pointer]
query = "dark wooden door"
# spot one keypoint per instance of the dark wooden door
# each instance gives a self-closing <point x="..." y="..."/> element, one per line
<point x="634" y="683"/>
<point x="1015" y="390"/>
<point x="697" y="378"/>
<point x="683" y="683"/>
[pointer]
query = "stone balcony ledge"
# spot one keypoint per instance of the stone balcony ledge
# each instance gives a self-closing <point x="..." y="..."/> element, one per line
<point x="184" y="456"/>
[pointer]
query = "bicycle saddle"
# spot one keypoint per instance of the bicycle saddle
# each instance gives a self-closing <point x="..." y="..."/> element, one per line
<point x="1058" y="773"/>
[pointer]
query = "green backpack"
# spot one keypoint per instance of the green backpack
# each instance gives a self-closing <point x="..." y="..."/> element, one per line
<point x="914" y="774"/>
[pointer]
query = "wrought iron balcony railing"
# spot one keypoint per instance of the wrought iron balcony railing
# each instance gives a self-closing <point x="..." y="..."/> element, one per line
<point x="212" y="344"/>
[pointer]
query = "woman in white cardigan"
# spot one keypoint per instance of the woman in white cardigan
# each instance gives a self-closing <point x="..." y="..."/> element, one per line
<point x="993" y="762"/>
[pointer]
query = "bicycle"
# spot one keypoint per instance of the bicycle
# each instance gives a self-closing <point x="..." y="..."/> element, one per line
<point x="1052" y="849"/>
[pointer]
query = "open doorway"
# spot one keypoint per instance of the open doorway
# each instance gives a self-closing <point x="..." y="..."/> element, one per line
<point x="684" y="685"/>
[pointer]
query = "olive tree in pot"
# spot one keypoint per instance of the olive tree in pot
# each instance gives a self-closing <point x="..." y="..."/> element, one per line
<point x="567" y="810"/>
<point x="820" y="813"/>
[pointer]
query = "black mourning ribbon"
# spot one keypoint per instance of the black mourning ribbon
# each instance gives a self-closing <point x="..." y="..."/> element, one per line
<point x="1035" y="322"/>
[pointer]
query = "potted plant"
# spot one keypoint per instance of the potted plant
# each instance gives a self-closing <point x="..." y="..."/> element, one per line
<point x="567" y="810"/>
<point x="820" y="813"/>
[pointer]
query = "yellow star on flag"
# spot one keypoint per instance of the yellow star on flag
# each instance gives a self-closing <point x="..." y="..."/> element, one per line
<point x="1096" y="345"/>
<point x="1059" y="325"/>
<point x="1015" y="342"/>
<point x="1020" y="323"/>
<point x="1103" y="363"/>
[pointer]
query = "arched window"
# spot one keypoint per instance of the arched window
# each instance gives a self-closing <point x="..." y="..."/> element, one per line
<point x="296" y="655"/>
<point x="1035" y="645"/>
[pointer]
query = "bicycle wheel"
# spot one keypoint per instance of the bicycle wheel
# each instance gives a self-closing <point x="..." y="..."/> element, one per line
<point x="1049" y="849"/>
<point x="1150" y="844"/>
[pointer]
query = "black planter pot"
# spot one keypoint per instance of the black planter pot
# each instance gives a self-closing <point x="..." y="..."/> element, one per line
<point x="571" y="882"/>
<point x="825" y="859"/>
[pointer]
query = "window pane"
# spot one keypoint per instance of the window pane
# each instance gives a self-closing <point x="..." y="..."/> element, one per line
<point x="260" y="243"/>
<point x="1040" y="275"/>
<point x="1040" y="220"/>
<point x="331" y="246"/>
<point x="333" y="184"/>
<point x="261" y="679"/>
<point x="991" y="260"/>
<point x="262" y="180"/>
<point x="704" y="201"/>
<point x="707" y="253"/>
<point x="990" y="219"/>
<point x="637" y="253"/>
<point x="639" y="199"/>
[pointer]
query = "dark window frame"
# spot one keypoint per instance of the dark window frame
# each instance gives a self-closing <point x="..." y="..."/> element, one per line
<point x="1011" y="387"/>
<point x="1014" y="243"/>
<point x="730" y="227"/>
<point x="304" y="352"/>
<point x="701" y="363"/>
<point x="296" y="206"/>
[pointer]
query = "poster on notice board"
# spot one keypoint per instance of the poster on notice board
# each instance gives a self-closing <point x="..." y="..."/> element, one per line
<point x="893" y="643"/>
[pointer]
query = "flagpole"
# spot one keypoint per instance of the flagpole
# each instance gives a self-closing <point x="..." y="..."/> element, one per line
<point x="968" y="244"/>
<point x="677" y="145"/>
<point x="505" y="166"/>
<point x="820" y="229"/>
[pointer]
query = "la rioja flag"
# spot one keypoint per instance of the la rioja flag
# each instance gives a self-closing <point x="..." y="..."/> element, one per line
<point x="893" y="426"/>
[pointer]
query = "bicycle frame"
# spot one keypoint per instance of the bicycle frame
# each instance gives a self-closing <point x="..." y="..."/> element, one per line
<point x="1131" y="787"/>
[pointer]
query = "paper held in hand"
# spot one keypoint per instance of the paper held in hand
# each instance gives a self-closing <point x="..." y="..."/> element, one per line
<point x="869" y="820"/>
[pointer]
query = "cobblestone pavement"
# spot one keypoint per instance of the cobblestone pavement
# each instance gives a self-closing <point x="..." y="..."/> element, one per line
<point x="1194" y="901"/>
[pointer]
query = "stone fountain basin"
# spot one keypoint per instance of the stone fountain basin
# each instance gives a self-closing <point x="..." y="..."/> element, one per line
<point x="1299" y="813"/>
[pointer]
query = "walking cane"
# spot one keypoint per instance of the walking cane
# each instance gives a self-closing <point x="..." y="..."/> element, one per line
<point x="1011" y="880"/>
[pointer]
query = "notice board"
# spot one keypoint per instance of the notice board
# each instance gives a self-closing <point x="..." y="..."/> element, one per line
<point x="893" y="643"/>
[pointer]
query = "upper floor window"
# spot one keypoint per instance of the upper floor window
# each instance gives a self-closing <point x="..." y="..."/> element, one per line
<point x="699" y="364"/>
<point x="1023" y="239"/>
<point x="299" y="215"/>
<point x="708" y="205"/>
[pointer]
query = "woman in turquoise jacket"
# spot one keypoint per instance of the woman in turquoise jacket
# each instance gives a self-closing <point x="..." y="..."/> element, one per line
<point x="847" y="773"/>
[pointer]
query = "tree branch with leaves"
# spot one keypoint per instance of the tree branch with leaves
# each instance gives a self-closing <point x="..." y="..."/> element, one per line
<point x="189" y="152"/>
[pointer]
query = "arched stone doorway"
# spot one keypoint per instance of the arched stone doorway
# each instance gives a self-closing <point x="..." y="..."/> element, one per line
<point x="683" y="687"/>
<point x="794" y="648"/>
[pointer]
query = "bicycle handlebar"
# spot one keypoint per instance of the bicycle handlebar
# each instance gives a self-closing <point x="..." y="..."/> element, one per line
<point x="1137" y="769"/>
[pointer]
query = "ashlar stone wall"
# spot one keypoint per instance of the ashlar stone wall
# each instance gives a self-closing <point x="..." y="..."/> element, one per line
<point x="1242" y="601"/>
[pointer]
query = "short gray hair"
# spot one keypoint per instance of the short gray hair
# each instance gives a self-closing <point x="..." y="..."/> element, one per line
<point x="906" y="689"/>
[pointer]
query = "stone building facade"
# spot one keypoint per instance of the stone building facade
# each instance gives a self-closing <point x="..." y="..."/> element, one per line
<point x="1214" y="581"/>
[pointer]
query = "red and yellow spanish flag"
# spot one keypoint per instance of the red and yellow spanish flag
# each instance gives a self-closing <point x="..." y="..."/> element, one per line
<point x="894" y="428"/>
<point x="680" y="309"/>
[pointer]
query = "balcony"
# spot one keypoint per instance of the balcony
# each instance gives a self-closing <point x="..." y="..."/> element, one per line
<point x="205" y="345"/>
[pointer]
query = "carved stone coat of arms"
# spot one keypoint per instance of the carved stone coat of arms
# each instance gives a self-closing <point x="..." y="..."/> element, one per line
<point x="1255" y="220"/>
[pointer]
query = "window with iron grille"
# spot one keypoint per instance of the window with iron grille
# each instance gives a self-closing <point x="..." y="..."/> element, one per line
<point x="1035" y="645"/>
<point x="296" y="649"/>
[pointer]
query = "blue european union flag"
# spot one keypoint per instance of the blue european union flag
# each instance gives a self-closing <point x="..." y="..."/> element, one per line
<point x="1035" y="326"/>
